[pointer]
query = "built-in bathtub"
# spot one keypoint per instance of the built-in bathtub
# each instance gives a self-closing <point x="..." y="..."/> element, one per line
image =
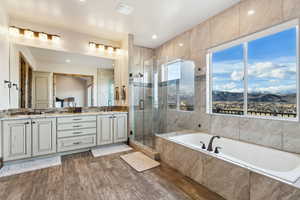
<point x="259" y="165"/>
<point x="280" y="164"/>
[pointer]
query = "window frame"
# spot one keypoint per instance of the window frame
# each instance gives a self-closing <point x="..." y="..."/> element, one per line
<point x="164" y="78"/>
<point x="244" y="41"/>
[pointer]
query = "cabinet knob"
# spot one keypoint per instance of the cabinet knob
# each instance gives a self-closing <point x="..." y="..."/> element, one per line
<point x="26" y="123"/>
<point x="33" y="122"/>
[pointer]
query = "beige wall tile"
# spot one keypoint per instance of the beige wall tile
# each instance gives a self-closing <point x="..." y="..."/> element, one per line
<point x="182" y="45"/>
<point x="291" y="9"/>
<point x="228" y="180"/>
<point x="263" y="132"/>
<point x="263" y="188"/>
<point x="225" y="126"/>
<point x="288" y="192"/>
<point x="225" y="26"/>
<point x="199" y="57"/>
<point x="291" y="137"/>
<point x="200" y="37"/>
<point x="267" y="13"/>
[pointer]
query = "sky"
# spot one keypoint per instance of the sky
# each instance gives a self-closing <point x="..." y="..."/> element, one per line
<point x="271" y="65"/>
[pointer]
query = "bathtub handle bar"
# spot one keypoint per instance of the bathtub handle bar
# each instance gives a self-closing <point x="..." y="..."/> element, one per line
<point x="217" y="149"/>
<point x="203" y="145"/>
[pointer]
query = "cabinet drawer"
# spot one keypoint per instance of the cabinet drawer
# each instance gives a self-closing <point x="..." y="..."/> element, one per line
<point x="76" y="119"/>
<point x="75" y="126"/>
<point x="73" y="133"/>
<point x="74" y="143"/>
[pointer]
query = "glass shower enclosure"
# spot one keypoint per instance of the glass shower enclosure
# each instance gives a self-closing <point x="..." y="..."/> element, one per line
<point x="143" y="83"/>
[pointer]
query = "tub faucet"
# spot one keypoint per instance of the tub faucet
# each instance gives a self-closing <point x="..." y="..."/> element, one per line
<point x="209" y="148"/>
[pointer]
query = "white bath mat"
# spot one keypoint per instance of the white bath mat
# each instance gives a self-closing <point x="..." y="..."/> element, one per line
<point x="139" y="161"/>
<point x="30" y="165"/>
<point x="111" y="149"/>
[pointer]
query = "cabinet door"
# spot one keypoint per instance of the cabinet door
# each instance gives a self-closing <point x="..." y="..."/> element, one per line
<point x="105" y="130"/>
<point x="120" y="128"/>
<point x="44" y="136"/>
<point x="41" y="90"/>
<point x="16" y="139"/>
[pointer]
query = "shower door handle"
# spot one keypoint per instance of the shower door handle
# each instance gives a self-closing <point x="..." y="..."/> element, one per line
<point x="142" y="104"/>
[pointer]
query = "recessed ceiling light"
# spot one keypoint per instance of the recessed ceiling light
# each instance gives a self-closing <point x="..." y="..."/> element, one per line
<point x="251" y="12"/>
<point x="82" y="1"/>
<point x="154" y="37"/>
<point x="68" y="61"/>
<point x="180" y="44"/>
<point x="124" y="9"/>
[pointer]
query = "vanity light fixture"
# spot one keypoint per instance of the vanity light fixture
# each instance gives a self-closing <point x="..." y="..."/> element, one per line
<point x="102" y="48"/>
<point x="14" y="31"/>
<point x="29" y="34"/>
<point x="43" y="37"/>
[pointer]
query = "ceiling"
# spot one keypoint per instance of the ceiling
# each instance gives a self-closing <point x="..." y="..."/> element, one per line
<point x="165" y="18"/>
<point x="60" y="57"/>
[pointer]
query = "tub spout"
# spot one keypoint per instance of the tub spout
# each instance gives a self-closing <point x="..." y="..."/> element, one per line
<point x="210" y="148"/>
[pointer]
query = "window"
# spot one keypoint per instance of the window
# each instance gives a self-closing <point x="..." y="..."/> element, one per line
<point x="179" y="78"/>
<point x="228" y="85"/>
<point x="257" y="75"/>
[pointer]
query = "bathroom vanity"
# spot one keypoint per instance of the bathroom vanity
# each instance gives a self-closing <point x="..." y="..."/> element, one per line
<point x="28" y="136"/>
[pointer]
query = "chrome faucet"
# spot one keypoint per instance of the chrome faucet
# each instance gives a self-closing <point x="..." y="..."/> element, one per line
<point x="210" y="148"/>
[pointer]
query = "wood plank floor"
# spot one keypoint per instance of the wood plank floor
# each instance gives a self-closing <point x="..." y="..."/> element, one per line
<point x="82" y="177"/>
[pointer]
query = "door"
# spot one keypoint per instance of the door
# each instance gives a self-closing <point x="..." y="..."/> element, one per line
<point x="120" y="128"/>
<point x="44" y="136"/>
<point x="105" y="130"/>
<point x="16" y="139"/>
<point x="42" y="97"/>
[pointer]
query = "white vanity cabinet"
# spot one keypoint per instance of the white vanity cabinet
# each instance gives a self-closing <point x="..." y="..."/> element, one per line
<point x="77" y="132"/>
<point x="111" y="129"/>
<point x="43" y="136"/>
<point x="104" y="129"/>
<point x="38" y="136"/>
<point x="120" y="128"/>
<point x="16" y="139"/>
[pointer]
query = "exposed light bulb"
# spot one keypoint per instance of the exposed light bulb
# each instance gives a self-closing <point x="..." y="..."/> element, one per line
<point x="110" y="50"/>
<point x="55" y="38"/>
<point x="92" y="45"/>
<point x="101" y="47"/>
<point x="43" y="36"/>
<point x="14" y="31"/>
<point x="119" y="52"/>
<point x="29" y="34"/>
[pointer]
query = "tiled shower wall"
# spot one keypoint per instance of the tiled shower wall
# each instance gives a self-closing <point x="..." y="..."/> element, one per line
<point x="226" y="26"/>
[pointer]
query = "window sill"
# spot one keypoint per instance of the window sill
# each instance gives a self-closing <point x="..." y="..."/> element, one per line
<point x="255" y="117"/>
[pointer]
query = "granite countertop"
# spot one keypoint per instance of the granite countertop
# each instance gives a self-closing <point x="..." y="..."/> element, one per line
<point x="50" y="115"/>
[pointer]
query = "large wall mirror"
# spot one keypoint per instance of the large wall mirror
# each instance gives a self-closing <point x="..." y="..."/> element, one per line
<point x="43" y="78"/>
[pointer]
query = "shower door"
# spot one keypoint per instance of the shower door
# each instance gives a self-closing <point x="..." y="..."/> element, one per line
<point x="142" y="92"/>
